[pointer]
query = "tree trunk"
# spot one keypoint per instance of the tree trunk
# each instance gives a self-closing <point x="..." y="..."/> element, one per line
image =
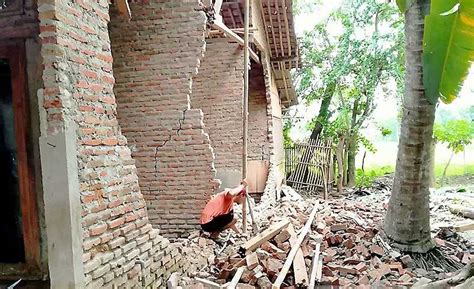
<point x="407" y="222"/>
<point x="340" y="169"/>
<point x="431" y="173"/>
<point x="446" y="168"/>
<point x="344" y="164"/>
<point x="351" y="156"/>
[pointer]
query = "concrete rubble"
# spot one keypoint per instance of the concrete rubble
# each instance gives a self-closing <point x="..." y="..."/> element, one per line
<point x="346" y="232"/>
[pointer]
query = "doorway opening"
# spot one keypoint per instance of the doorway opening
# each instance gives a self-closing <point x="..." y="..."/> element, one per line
<point x="11" y="242"/>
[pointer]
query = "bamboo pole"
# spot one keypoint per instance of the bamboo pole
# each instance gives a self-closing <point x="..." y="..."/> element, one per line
<point x="245" y="116"/>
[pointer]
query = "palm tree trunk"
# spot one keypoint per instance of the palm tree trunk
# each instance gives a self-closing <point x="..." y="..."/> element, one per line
<point x="407" y="222"/>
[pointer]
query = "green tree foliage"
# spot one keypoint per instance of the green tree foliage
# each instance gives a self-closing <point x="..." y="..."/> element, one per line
<point x="456" y="134"/>
<point x="346" y="58"/>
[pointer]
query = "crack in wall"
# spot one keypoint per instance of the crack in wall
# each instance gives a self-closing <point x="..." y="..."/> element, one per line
<point x="157" y="148"/>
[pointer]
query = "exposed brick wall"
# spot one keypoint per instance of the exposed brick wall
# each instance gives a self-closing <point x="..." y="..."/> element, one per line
<point x="78" y="93"/>
<point x="218" y="90"/>
<point x="258" y="137"/>
<point x="156" y="55"/>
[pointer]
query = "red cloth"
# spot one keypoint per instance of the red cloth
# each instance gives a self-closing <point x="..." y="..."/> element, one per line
<point x="220" y="204"/>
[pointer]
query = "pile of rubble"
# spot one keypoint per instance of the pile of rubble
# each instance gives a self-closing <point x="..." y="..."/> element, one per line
<point x="339" y="246"/>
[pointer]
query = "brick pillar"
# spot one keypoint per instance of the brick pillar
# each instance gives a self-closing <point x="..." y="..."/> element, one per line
<point x="218" y="90"/>
<point x="156" y="55"/>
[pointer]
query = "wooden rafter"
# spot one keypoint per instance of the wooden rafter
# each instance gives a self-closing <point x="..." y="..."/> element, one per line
<point x="287" y="26"/>
<point x="262" y="13"/>
<point x="231" y="34"/>
<point x="280" y="34"/>
<point x="271" y="25"/>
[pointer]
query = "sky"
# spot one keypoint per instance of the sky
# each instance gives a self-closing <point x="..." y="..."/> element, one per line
<point x="305" y="22"/>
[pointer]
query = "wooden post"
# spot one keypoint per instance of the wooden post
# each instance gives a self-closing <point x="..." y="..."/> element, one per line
<point x="245" y="107"/>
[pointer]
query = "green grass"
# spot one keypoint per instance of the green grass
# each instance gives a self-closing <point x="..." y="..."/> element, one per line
<point x="453" y="170"/>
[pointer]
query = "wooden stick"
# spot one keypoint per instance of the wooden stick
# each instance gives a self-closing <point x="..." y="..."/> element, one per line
<point x="294" y="249"/>
<point x="254" y="223"/>
<point x="207" y="282"/>
<point x="236" y="278"/>
<point x="266" y="235"/>
<point x="299" y="265"/>
<point x="464" y="227"/>
<point x="245" y="103"/>
<point x="314" y="267"/>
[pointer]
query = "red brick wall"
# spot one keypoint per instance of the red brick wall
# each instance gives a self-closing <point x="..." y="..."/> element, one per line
<point x="156" y="55"/>
<point x="217" y="90"/>
<point x="258" y="137"/>
<point x="78" y="93"/>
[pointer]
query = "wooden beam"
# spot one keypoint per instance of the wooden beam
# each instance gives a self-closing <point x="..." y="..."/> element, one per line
<point x="231" y="34"/>
<point x="464" y="227"/>
<point x="245" y="110"/>
<point x="294" y="249"/>
<point x="299" y="265"/>
<point x="314" y="266"/>
<point x="123" y="8"/>
<point x="217" y="9"/>
<point x="266" y="235"/>
<point x="235" y="280"/>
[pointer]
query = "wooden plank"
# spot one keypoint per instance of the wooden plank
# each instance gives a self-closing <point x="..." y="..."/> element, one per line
<point x="231" y="34"/>
<point x="464" y="227"/>
<point x="236" y="278"/>
<point x="266" y="235"/>
<point x="314" y="266"/>
<point x="208" y="283"/>
<point x="294" y="249"/>
<point x="299" y="265"/>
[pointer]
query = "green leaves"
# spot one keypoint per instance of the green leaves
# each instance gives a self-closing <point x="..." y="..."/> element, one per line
<point x="455" y="133"/>
<point x="448" y="48"/>
<point x="403" y="5"/>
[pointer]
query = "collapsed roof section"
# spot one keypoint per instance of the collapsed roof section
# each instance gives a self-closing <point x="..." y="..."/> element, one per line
<point x="282" y="48"/>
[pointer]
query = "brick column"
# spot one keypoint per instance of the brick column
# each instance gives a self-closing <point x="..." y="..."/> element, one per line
<point x="218" y="90"/>
<point x="156" y="55"/>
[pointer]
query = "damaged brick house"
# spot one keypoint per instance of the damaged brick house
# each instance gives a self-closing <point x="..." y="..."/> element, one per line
<point x="114" y="133"/>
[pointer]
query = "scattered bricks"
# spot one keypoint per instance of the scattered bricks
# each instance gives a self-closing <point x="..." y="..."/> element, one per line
<point x="407" y="261"/>
<point x="349" y="244"/>
<point x="363" y="281"/>
<point x="251" y="260"/>
<point x="282" y="237"/>
<point x="405" y="278"/>
<point x="439" y="242"/>
<point x="272" y="266"/>
<point x="344" y="270"/>
<point x="338" y="227"/>
<point x="285" y="246"/>
<point x="360" y="267"/>
<point x="142" y="239"/>
<point x="376" y="250"/>
<point x="327" y="271"/>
